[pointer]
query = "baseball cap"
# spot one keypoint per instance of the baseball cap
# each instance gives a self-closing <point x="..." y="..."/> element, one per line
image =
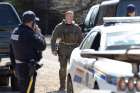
<point x="131" y="8"/>
<point x="29" y="16"/>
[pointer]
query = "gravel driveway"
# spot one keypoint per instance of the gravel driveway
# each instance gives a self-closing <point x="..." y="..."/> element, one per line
<point x="48" y="75"/>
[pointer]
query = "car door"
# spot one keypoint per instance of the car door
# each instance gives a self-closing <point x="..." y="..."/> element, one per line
<point x="82" y="77"/>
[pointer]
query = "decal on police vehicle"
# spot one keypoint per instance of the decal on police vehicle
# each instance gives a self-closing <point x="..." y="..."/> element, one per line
<point x="79" y="74"/>
<point x="77" y="78"/>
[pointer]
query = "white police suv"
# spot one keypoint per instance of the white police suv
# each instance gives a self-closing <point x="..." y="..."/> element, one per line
<point x="108" y="58"/>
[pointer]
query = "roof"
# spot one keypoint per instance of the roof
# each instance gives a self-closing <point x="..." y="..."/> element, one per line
<point x="117" y="27"/>
<point x="123" y="27"/>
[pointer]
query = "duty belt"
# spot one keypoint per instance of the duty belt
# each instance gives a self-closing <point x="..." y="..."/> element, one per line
<point x="18" y="61"/>
<point x="64" y="43"/>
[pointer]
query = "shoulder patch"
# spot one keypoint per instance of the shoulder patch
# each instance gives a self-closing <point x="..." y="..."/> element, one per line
<point x="15" y="37"/>
<point x="15" y="30"/>
<point x="59" y="24"/>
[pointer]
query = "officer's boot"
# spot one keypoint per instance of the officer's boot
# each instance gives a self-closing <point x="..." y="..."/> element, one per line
<point x="62" y="77"/>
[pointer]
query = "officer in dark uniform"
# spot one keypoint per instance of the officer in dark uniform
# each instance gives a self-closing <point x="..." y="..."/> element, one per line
<point x="131" y="10"/>
<point x="70" y="36"/>
<point x="27" y="44"/>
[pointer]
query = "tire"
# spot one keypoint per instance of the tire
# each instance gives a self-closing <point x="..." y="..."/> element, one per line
<point x="69" y="85"/>
<point x="4" y="81"/>
<point x="96" y="85"/>
<point x="4" y="76"/>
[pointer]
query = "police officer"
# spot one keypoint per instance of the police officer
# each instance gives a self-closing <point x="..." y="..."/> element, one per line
<point x="27" y="44"/>
<point x="70" y="36"/>
<point x="131" y="10"/>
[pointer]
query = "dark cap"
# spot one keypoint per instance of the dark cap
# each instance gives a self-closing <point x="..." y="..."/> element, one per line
<point x="131" y="8"/>
<point x="29" y="16"/>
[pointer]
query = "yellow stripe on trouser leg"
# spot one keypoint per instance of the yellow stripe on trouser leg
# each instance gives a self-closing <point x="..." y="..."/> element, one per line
<point x="30" y="85"/>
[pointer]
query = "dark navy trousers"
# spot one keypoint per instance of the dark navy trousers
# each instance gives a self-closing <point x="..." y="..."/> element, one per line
<point x="24" y="72"/>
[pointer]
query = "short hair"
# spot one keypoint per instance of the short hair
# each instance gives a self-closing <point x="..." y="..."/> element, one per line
<point x="69" y="12"/>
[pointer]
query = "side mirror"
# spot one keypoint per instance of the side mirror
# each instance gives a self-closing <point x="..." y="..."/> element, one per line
<point x="88" y="53"/>
<point x="91" y="53"/>
<point x="129" y="56"/>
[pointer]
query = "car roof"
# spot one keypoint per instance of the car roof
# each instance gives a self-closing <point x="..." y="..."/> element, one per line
<point x="117" y="27"/>
<point x="109" y="2"/>
<point x="123" y="27"/>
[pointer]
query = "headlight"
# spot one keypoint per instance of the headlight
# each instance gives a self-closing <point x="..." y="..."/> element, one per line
<point x="111" y="79"/>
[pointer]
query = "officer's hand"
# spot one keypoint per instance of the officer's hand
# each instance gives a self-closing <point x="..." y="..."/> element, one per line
<point x="36" y="28"/>
<point x="54" y="53"/>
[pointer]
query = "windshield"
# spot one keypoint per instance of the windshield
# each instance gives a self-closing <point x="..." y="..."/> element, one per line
<point x="8" y="17"/>
<point x="122" y="39"/>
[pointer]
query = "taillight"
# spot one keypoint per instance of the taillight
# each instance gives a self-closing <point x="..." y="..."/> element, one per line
<point x="121" y="84"/>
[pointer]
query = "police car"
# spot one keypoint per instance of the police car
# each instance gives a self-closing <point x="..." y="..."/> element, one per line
<point x="107" y="58"/>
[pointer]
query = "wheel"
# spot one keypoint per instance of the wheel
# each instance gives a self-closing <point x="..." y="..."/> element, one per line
<point x="4" y="81"/>
<point x="96" y="85"/>
<point x="69" y="85"/>
<point x="4" y="76"/>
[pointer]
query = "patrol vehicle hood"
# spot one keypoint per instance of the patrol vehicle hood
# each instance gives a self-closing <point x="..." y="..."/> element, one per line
<point x="113" y="67"/>
<point x="118" y="63"/>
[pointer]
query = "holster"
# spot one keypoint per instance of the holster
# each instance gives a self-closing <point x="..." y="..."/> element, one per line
<point x="33" y="67"/>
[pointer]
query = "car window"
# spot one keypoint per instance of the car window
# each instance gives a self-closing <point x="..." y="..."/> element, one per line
<point x="90" y="19"/>
<point x="121" y="11"/>
<point x="93" y="16"/>
<point x="96" y="42"/>
<point x="92" y="41"/>
<point x="8" y="17"/>
<point x="106" y="11"/>
<point x="88" y="41"/>
<point x="122" y="40"/>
